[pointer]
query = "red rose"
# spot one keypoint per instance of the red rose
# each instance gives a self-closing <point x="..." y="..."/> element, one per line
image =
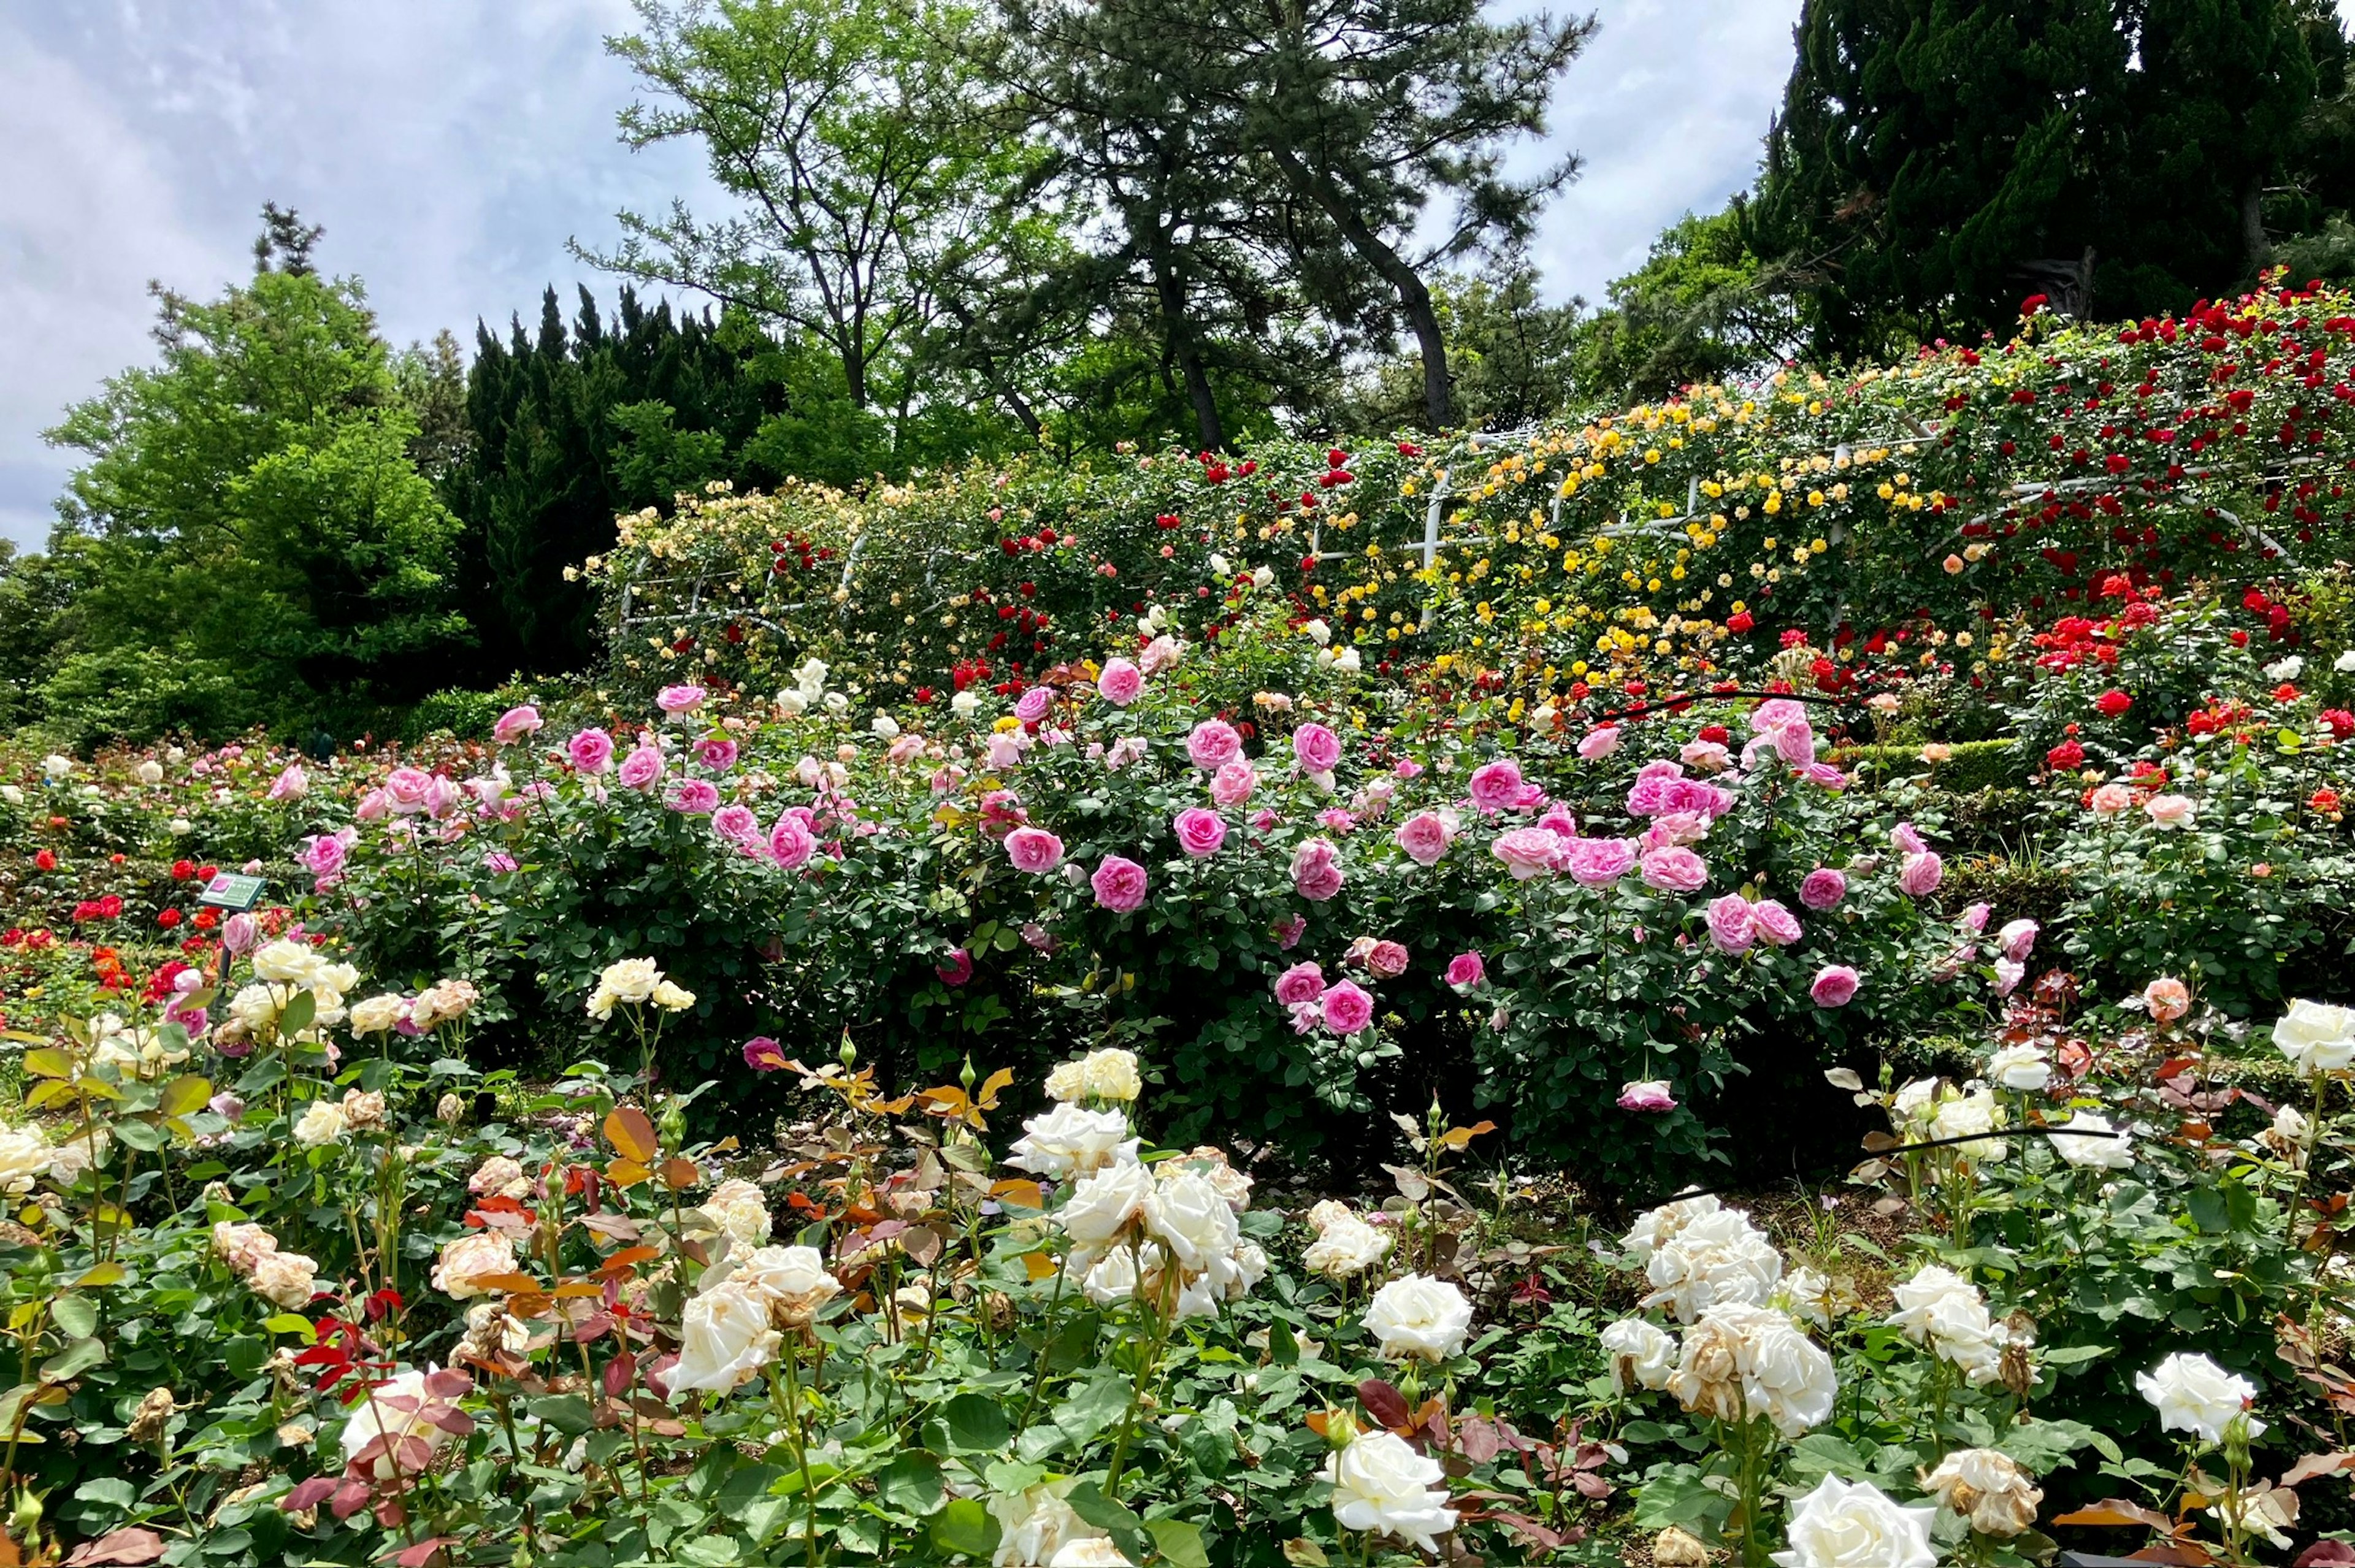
<point x="1739" y="622"/>
<point x="2066" y="755"/>
<point x="168" y="918"/>
<point x="2114" y="702"/>
<point x="47" y="860"/>
<point x="1715" y="734"/>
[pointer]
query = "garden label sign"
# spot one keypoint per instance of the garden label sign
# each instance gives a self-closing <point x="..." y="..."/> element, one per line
<point x="228" y="891"/>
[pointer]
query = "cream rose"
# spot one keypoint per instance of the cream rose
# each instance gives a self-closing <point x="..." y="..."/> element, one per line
<point x="287" y="963"/>
<point x="323" y="1122"/>
<point x="2316" y="1036"/>
<point x="740" y="1211"/>
<point x="378" y="1014"/>
<point x="24" y="1159"/>
<point x="1715" y="1258"/>
<point x="2099" y="1152"/>
<point x="1380" y="1483"/>
<point x="724" y="1338"/>
<point x="471" y="1258"/>
<point x="1102" y="1205"/>
<point x="1191" y="1217"/>
<point x="288" y="1279"/>
<point x="394" y="1410"/>
<point x="1072" y="1140"/>
<point x="1345" y="1247"/>
<point x="1643" y="1354"/>
<point x="794" y="1281"/>
<point x="2021" y="1068"/>
<point x="1417" y="1317"/>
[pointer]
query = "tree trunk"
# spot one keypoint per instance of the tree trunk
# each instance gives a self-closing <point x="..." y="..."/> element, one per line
<point x="2252" y="226"/>
<point x="1414" y="298"/>
<point x="1183" y="348"/>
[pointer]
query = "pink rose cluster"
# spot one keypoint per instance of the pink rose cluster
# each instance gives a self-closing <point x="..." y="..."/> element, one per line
<point x="1343" y="1008"/>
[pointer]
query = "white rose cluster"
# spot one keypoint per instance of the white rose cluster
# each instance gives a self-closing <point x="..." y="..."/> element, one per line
<point x="1741" y="1362"/>
<point x="636" y="981"/>
<point x="25" y="1159"/>
<point x="1941" y="1309"/>
<point x="1101" y="1075"/>
<point x="1697" y="1255"/>
<point x="734" y="1324"/>
<point x="1346" y="1245"/>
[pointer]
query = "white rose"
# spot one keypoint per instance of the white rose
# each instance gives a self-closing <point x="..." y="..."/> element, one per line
<point x="70" y="1159"/>
<point x="2345" y="663"/>
<point x="1346" y="1248"/>
<point x="287" y="963"/>
<point x="2316" y="1036"/>
<point x="1379" y="1483"/>
<point x="1968" y="1114"/>
<point x="2021" y="1068"/>
<point x="794" y="1280"/>
<point x="1915" y="1100"/>
<point x="630" y="979"/>
<point x="1103" y="1203"/>
<point x="672" y="999"/>
<point x="1318" y="633"/>
<point x="1072" y="1140"/>
<point x="1112" y="1277"/>
<point x="1262" y="576"/>
<point x="25" y="1159"/>
<point x="1642" y="1354"/>
<point x="57" y="766"/>
<point x="1417" y="1317"/>
<point x="1099" y="1552"/>
<point x="150" y="772"/>
<point x="1813" y="1298"/>
<point x="498" y="1175"/>
<point x="1785" y="1376"/>
<point x="1653" y="1226"/>
<point x="1852" y="1524"/>
<point x="2099" y="1153"/>
<point x="470" y="1258"/>
<point x="323" y="1122"/>
<point x="1034" y="1525"/>
<point x="12" y="795"/>
<point x="886" y="728"/>
<point x="2289" y="668"/>
<point x="2194" y="1394"/>
<point x="724" y="1338"/>
<point x="1985" y="1489"/>
<point x="1715" y="1258"/>
<point x="379" y="1014"/>
<point x="1192" y="1218"/>
<point x="394" y="1412"/>
<point x="964" y="703"/>
<point x="1110" y="1075"/>
<point x="741" y="1214"/>
<point x="793" y="703"/>
<point x="288" y="1279"/>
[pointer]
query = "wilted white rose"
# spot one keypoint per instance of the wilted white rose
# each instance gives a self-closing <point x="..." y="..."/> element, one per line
<point x="794" y="1281"/>
<point x="1345" y="1247"/>
<point x="1382" y="1484"/>
<point x="1985" y="1489"/>
<point x="288" y="1279"/>
<point x="1853" y="1524"/>
<point x="1415" y="1317"/>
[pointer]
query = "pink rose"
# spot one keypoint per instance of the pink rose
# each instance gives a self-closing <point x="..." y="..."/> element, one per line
<point x="1200" y="832"/>
<point x="1466" y="970"/>
<point x="1424" y="837"/>
<point x="2111" y="799"/>
<point x="291" y="785"/>
<point x="1317" y="747"/>
<point x="1316" y="870"/>
<point x="1234" y="782"/>
<point x="1301" y="983"/>
<point x="1348" y="1009"/>
<point x="1408" y="768"/>
<point x="1496" y="787"/>
<point x="1034" y="850"/>
<point x="904" y="750"/>
<point x="1922" y="873"/>
<point x="1776" y="713"/>
<point x="590" y="750"/>
<point x="323" y="856"/>
<point x="498" y="862"/>
<point x="791" y="842"/>
<point x="2170" y="810"/>
<point x="1288" y="932"/>
<point x="1834" y="986"/>
<point x="515" y="724"/>
<point x="957" y="969"/>
<point x="372" y="806"/>
<point x="2008" y="974"/>
<point x="1386" y="960"/>
<point x="1213" y="743"/>
<point x="2017" y="939"/>
<point x="1974" y="919"/>
<point x="1776" y="923"/>
<point x="641" y="768"/>
<point x="738" y="826"/>
<point x="1823" y="775"/>
<point x="1674" y="869"/>
<point x="1708" y="756"/>
<point x="1034" y="704"/>
<point x="679" y="698"/>
<point x="2167" y="999"/>
<point x="717" y="754"/>
<point x="1529" y="851"/>
<point x="1599" y="744"/>
<point x="1119" y="884"/>
<point x="1907" y="840"/>
<point x="1600" y="862"/>
<point x="1823" y="888"/>
<point x="1797" y="744"/>
<point x="1731" y="929"/>
<point x="407" y="788"/>
<point x="696" y="797"/>
<point x="1120" y="682"/>
<point x="1646" y="1094"/>
<point x="1332" y="819"/>
<point x="762" y="1054"/>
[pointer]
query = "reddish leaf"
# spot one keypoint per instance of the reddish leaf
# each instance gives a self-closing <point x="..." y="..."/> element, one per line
<point x="424" y="1551"/>
<point x="2315" y="1465"/>
<point x="1383" y="1403"/>
<point x="310" y="1493"/>
<point x="2323" y="1555"/>
<point x="2114" y="1511"/>
<point x="128" y="1546"/>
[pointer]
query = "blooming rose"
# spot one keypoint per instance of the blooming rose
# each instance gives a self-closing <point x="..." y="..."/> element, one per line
<point x="1986" y="1489"/>
<point x="1316" y="869"/>
<point x="1119" y="884"/>
<point x="2194" y="1394"/>
<point x="1598" y="743"/>
<point x="388" y="1426"/>
<point x="1424" y="837"/>
<point x="740" y="1211"/>
<point x="1213" y="743"/>
<point x="1036" y="1526"/>
<point x="1845" y="1525"/>
<point x="288" y="1279"/>
<point x="794" y="1280"/>
<point x="515" y="724"/>
<point x="1103" y="1203"/>
<point x="323" y="1122"/>
<point x="1234" y="782"/>
<point x="1034" y="850"/>
<point x="679" y="698"/>
<point x="1647" y="1094"/>
<point x="1380" y="1483"/>
<point x="1348" y="1008"/>
<point x="2101" y="1151"/>
<point x="1301" y="983"/>
<point x="724" y="1338"/>
<point x="1674" y="869"/>
<point x="2316" y="1036"/>
<point x="498" y="1175"/>
<point x="2170" y="810"/>
<point x="1418" y="1318"/>
<point x="641" y="768"/>
<point x="1834" y="986"/>
<point x="1600" y="862"/>
<point x="1466" y="970"/>
<point x="1496" y="787"/>
<point x="590" y="751"/>
<point x="1823" y="888"/>
<point x="1345" y="1247"/>
<point x="378" y="1014"/>
<point x="1730" y="928"/>
<point x="470" y="1258"/>
<point x="1072" y="1140"/>
<point x="241" y="1245"/>
<point x="2017" y="939"/>
<point x="1776" y="923"/>
<point x="1714" y="1257"/>
<point x="2020" y="1067"/>
<point x="1643" y="1354"/>
<point x="1119" y="682"/>
<point x="1920" y="875"/>
<point x="2168" y="999"/>
<point x="1034" y="704"/>
<point x="1200" y="832"/>
<point x="1190" y="1218"/>
<point x="1964" y="1114"/>
<point x="1529" y="851"/>
<point x="1108" y="1074"/>
<point x="2110" y="799"/>
<point x="1316" y="748"/>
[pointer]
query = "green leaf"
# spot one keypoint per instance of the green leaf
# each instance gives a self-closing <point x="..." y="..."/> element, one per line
<point x="1179" y="1542"/>
<point x="911" y="1482"/>
<point x="568" y="1413"/>
<point x="297" y="1015"/>
<point x="975" y="1423"/>
<point x="139" y="1135"/>
<point x="73" y="1360"/>
<point x="965" y="1528"/>
<point x="2209" y="1210"/>
<point x="291" y="1323"/>
<point x="75" y="1315"/>
<point x="111" y="1490"/>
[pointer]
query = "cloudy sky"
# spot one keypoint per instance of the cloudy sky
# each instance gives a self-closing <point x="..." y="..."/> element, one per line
<point x="452" y="146"/>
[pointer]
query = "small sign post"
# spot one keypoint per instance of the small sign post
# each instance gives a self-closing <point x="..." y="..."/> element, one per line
<point x="229" y="892"/>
